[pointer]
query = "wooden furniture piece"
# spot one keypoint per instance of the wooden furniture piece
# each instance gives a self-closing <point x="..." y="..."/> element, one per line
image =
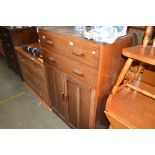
<point x="132" y="102"/>
<point x="33" y="73"/>
<point x="80" y="74"/>
<point x="13" y="37"/>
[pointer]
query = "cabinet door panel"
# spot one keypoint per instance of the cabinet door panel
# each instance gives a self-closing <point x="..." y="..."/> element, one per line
<point x="81" y="101"/>
<point x="85" y="107"/>
<point x="73" y="103"/>
<point x="56" y="90"/>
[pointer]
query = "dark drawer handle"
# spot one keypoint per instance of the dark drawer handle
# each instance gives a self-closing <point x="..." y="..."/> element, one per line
<point x="78" y="72"/>
<point x="64" y="96"/>
<point x="49" y="42"/>
<point x="80" y="54"/>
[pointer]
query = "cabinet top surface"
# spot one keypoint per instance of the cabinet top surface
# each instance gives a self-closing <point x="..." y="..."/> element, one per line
<point x="68" y="30"/>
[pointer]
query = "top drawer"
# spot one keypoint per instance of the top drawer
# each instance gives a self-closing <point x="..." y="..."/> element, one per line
<point x="33" y="68"/>
<point x="87" y="53"/>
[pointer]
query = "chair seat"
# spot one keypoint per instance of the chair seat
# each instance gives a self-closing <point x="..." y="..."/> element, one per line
<point x="134" y="109"/>
<point x="142" y="53"/>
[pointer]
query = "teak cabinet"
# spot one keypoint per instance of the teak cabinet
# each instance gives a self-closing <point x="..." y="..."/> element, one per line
<point x="33" y="74"/>
<point x="80" y="74"/>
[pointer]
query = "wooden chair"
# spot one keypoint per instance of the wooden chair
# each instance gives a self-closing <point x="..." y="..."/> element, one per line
<point x="132" y="101"/>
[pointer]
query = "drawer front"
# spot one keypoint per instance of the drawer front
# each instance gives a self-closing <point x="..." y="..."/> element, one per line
<point x="34" y="76"/>
<point x="81" y="72"/>
<point x="73" y="48"/>
<point x="37" y="86"/>
<point x="43" y="95"/>
<point x="36" y="81"/>
<point x="33" y="67"/>
<point x="23" y="62"/>
<point x="37" y="70"/>
<point x="26" y="79"/>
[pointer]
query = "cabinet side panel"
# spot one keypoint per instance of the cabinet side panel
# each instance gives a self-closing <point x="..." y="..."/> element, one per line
<point x="111" y="63"/>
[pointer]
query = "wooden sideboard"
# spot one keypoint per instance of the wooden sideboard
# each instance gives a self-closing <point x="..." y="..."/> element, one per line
<point x="13" y="37"/>
<point x="80" y="74"/>
<point x="33" y="73"/>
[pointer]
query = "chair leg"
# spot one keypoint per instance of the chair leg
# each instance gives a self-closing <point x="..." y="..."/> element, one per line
<point x="122" y="75"/>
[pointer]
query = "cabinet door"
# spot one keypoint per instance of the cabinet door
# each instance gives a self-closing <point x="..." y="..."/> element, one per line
<point x="81" y="104"/>
<point x="55" y="80"/>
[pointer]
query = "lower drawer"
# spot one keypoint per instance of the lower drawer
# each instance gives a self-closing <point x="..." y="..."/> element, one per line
<point x="37" y="82"/>
<point x="40" y="92"/>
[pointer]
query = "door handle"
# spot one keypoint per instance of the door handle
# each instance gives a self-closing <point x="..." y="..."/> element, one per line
<point x="78" y="72"/>
<point x="64" y="96"/>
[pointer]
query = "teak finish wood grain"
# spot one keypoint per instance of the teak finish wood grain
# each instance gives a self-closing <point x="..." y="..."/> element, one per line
<point x="134" y="109"/>
<point x="80" y="74"/>
<point x="87" y="54"/>
<point x="76" y="69"/>
<point x="141" y="53"/>
<point x="34" y="74"/>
